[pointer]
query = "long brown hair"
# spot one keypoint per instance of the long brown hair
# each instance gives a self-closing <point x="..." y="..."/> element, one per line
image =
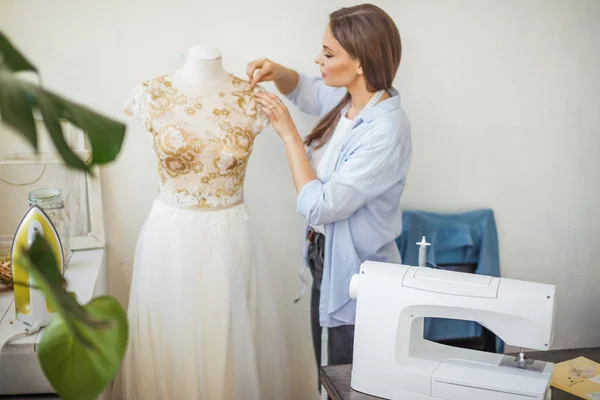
<point x="368" y="34"/>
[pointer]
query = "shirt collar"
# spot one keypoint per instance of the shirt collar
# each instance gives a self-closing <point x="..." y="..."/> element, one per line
<point x="389" y="104"/>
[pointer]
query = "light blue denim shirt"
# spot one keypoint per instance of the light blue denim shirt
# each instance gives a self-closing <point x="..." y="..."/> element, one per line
<point x="360" y="204"/>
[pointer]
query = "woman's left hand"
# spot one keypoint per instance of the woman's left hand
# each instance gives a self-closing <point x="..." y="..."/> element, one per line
<point x="278" y="114"/>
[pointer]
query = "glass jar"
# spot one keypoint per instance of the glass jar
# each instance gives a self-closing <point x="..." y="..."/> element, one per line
<point x="51" y="201"/>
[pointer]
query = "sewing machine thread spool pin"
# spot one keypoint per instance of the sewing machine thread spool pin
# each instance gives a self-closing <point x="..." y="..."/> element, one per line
<point x="522" y="362"/>
<point x="528" y="364"/>
<point x="423" y="252"/>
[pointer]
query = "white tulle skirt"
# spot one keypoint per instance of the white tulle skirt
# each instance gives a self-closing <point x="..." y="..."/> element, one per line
<point x="203" y="322"/>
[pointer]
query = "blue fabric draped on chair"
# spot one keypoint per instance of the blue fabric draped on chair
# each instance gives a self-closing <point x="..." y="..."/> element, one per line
<point x="459" y="239"/>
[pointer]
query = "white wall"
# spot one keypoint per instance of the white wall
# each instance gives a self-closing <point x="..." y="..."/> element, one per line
<point x="503" y="97"/>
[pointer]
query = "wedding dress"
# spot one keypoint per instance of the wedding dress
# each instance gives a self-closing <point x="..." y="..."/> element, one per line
<point x="203" y="323"/>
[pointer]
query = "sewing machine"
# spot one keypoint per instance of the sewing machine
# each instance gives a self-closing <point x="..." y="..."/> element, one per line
<point x="392" y="360"/>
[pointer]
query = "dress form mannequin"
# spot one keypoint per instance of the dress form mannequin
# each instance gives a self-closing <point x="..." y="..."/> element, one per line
<point x="213" y="330"/>
<point x="203" y="67"/>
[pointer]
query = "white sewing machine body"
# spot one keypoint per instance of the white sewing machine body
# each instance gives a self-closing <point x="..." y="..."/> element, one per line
<point x="392" y="360"/>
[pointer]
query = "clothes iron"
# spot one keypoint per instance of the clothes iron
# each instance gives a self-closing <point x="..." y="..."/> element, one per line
<point x="31" y="306"/>
<point x="392" y="360"/>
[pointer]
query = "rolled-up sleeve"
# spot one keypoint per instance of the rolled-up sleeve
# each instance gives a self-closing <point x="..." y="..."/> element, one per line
<point x="369" y="171"/>
<point x="311" y="94"/>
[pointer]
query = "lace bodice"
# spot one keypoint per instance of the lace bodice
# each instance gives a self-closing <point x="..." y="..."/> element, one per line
<point x="202" y="136"/>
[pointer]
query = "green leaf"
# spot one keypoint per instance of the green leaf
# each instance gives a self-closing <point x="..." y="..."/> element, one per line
<point x="41" y="264"/>
<point x="50" y="112"/>
<point x="11" y="57"/>
<point x="15" y="107"/>
<point x="41" y="256"/>
<point x="17" y="98"/>
<point x="43" y="268"/>
<point x="105" y="135"/>
<point x="81" y="350"/>
<point x="75" y="371"/>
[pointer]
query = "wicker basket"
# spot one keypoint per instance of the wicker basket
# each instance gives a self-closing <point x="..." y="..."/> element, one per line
<point x="5" y="274"/>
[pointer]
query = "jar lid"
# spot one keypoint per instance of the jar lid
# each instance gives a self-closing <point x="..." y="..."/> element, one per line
<point x="45" y="195"/>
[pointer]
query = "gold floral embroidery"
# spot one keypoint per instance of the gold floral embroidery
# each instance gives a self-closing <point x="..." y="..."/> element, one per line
<point x="246" y="102"/>
<point x="202" y="152"/>
<point x="240" y="138"/>
<point x="221" y="112"/>
<point x="226" y="162"/>
<point x="182" y="163"/>
<point x="237" y="81"/>
<point x="178" y="151"/>
<point x="174" y="140"/>
<point x="162" y="96"/>
<point x="209" y="177"/>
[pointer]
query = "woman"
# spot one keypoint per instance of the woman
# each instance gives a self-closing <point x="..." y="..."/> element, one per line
<point x="351" y="175"/>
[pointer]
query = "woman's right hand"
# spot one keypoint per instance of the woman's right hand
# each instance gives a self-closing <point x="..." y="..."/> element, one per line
<point x="263" y="70"/>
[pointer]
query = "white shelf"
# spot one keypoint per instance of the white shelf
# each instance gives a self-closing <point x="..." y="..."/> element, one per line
<point x="38" y="158"/>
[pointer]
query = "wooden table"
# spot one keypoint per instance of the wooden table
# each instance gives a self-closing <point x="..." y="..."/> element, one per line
<point x="336" y="378"/>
